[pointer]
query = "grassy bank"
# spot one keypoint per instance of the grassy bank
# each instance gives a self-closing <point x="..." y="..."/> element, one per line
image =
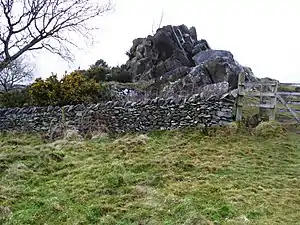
<point x="162" y="178"/>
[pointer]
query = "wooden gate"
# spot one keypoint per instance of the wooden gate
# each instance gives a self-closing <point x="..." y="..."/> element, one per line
<point x="271" y="97"/>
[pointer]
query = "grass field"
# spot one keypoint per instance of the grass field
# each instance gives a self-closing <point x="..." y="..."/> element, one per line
<point x="161" y="178"/>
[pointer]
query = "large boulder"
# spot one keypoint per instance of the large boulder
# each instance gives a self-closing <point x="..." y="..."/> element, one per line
<point x="219" y="65"/>
<point x="164" y="43"/>
<point x="161" y="53"/>
<point x="175" y="59"/>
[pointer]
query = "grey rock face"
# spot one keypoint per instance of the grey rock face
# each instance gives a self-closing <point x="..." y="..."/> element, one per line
<point x="162" y="58"/>
<point x="199" y="46"/>
<point x="219" y="65"/>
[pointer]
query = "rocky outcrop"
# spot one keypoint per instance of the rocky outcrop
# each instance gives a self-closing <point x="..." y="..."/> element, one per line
<point x="175" y="59"/>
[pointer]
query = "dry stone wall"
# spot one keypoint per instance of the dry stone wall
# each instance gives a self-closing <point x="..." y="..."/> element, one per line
<point x="154" y="114"/>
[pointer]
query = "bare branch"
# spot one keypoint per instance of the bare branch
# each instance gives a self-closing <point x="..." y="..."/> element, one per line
<point x="160" y="22"/>
<point x="14" y="73"/>
<point x="161" y="19"/>
<point x="153" y="32"/>
<point x="44" y="24"/>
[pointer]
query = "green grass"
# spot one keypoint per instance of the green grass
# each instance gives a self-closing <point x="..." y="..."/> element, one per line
<point x="163" y="178"/>
<point x="288" y="88"/>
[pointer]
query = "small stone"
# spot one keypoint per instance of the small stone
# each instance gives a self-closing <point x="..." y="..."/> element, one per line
<point x="188" y="117"/>
<point x="80" y="113"/>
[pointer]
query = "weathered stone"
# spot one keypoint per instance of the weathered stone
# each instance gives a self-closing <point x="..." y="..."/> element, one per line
<point x="201" y="45"/>
<point x="167" y="113"/>
<point x="193" y="33"/>
<point x="219" y="65"/>
<point x="177" y="69"/>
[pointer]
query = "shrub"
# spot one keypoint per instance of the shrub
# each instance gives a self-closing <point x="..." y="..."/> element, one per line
<point x="45" y="92"/>
<point x="15" y="98"/>
<point x="74" y="88"/>
<point x="120" y="74"/>
<point x="100" y="63"/>
<point x="77" y="89"/>
<point x="97" y="73"/>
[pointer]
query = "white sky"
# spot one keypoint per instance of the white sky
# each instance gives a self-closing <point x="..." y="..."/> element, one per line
<point x="261" y="34"/>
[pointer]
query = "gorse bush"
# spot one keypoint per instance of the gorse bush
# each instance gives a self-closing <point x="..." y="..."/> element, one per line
<point x="80" y="86"/>
<point x="45" y="92"/>
<point x="74" y="88"/>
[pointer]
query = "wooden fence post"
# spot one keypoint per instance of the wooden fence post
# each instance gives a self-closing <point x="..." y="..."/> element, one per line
<point x="273" y="101"/>
<point x="240" y="96"/>
<point x="263" y="101"/>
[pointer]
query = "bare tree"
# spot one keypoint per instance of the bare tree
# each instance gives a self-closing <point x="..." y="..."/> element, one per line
<point x="27" y="25"/>
<point x="17" y="72"/>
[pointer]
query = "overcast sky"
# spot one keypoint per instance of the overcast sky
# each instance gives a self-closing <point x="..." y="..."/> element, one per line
<point x="261" y="34"/>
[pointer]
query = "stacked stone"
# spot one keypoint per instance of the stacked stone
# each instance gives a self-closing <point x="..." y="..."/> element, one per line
<point x="117" y="116"/>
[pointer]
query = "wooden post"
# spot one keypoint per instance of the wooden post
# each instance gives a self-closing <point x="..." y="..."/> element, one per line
<point x="273" y="101"/>
<point x="240" y="96"/>
<point x="263" y="111"/>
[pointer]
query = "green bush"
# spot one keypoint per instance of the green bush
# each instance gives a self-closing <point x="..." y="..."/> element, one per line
<point x="16" y="98"/>
<point x="97" y="73"/>
<point x="120" y="74"/>
<point x="100" y="63"/>
<point x="74" y="88"/>
<point x="45" y="92"/>
<point x="100" y="71"/>
<point x="80" y="86"/>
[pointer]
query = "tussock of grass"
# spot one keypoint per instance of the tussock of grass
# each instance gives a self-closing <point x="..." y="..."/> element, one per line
<point x="170" y="177"/>
<point x="72" y="135"/>
<point x="269" y="129"/>
<point x="132" y="140"/>
<point x="230" y="129"/>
